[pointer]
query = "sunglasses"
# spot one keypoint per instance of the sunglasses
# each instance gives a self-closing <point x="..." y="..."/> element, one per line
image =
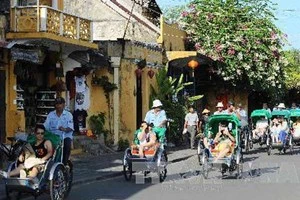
<point x="40" y="133"/>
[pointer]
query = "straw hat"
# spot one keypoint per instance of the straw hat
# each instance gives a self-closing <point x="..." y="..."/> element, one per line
<point x="281" y="105"/>
<point x="220" y="105"/>
<point x="156" y="103"/>
<point x="205" y="111"/>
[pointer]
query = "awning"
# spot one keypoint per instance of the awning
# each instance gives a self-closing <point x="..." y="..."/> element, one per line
<point x="90" y="58"/>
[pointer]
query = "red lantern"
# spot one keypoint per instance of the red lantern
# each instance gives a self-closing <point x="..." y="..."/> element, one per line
<point x="193" y="64"/>
<point x="138" y="73"/>
<point x="151" y="73"/>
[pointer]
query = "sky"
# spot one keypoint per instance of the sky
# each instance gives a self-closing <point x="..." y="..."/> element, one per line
<point x="287" y="13"/>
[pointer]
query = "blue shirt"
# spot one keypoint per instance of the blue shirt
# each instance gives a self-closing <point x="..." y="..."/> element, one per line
<point x="155" y="118"/>
<point x="53" y="122"/>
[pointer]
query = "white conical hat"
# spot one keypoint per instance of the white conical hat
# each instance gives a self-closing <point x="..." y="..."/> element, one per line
<point x="281" y="105"/>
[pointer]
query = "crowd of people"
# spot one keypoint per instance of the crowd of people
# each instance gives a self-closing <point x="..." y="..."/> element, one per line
<point x="279" y="128"/>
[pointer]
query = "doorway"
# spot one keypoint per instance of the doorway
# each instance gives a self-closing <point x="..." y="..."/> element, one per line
<point x="139" y="101"/>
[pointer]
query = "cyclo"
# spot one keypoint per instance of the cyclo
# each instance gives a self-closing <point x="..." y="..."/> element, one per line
<point x="287" y="142"/>
<point x="295" y="125"/>
<point x="232" y="160"/>
<point x="155" y="159"/>
<point x="260" y="126"/>
<point x="56" y="178"/>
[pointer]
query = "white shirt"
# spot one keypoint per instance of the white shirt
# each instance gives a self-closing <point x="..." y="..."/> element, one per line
<point x="192" y="119"/>
<point x="80" y="83"/>
<point x="262" y="123"/>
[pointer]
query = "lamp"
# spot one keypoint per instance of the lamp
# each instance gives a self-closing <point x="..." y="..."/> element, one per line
<point x="138" y="72"/>
<point x="151" y="73"/>
<point x="193" y="64"/>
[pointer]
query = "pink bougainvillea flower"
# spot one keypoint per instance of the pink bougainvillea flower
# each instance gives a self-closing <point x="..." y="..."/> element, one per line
<point x="192" y="6"/>
<point x="231" y="51"/>
<point x="184" y="14"/>
<point x="273" y="35"/>
<point x="218" y="47"/>
<point x="197" y="46"/>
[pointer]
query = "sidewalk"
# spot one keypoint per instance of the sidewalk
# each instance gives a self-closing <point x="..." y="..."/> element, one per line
<point x="92" y="168"/>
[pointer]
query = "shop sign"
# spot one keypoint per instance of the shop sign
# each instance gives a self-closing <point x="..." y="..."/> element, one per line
<point x="30" y="55"/>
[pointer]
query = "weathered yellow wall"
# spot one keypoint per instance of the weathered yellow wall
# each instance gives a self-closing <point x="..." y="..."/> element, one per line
<point x="97" y="98"/>
<point x="171" y="36"/>
<point x="127" y="100"/>
<point x="15" y="119"/>
<point x="171" y="55"/>
<point x="128" y="88"/>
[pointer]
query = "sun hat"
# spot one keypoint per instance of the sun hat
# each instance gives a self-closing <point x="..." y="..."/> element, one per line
<point x="205" y="111"/>
<point x="220" y="105"/>
<point x="281" y="105"/>
<point x="156" y="103"/>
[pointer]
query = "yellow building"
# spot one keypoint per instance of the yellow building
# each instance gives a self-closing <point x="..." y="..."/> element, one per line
<point x="41" y="36"/>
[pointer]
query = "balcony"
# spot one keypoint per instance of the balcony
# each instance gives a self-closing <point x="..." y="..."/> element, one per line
<point x="45" y="22"/>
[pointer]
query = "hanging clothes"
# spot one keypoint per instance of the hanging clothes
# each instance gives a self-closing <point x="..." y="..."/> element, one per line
<point x="82" y="96"/>
<point x="79" y="117"/>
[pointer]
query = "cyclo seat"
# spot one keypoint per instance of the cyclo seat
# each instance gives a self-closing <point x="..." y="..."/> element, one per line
<point x="147" y="152"/>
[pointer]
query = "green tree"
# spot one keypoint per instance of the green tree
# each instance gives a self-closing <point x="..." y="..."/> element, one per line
<point x="167" y="91"/>
<point x="173" y="14"/>
<point x="292" y="71"/>
<point x="241" y="35"/>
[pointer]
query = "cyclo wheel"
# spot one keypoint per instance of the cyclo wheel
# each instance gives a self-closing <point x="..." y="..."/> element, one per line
<point x="58" y="184"/>
<point x="205" y="165"/>
<point x="199" y="151"/>
<point x="127" y="170"/>
<point x="162" y="168"/>
<point x="68" y="178"/>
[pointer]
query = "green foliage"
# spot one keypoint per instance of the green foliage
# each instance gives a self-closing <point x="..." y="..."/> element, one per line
<point x="123" y="144"/>
<point x="97" y="123"/>
<point x="242" y="35"/>
<point x="175" y="105"/>
<point x="107" y="86"/>
<point x="292" y="71"/>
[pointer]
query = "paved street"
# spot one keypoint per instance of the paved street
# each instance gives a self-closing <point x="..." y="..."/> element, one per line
<point x="265" y="177"/>
<point x="273" y="177"/>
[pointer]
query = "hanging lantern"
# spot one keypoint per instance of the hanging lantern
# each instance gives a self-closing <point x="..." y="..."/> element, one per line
<point x="138" y="73"/>
<point x="151" y="73"/>
<point x="193" y="64"/>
